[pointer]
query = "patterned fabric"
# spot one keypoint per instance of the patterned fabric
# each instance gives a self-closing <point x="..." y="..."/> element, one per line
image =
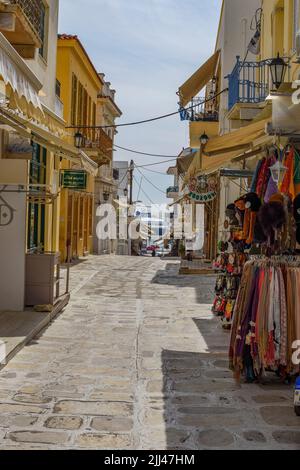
<point x="266" y="319"/>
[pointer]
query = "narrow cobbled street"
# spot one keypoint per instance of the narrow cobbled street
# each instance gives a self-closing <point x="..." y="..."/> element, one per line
<point x="137" y="361"/>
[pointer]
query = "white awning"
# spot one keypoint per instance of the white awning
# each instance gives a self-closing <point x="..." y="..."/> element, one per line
<point x="88" y="164"/>
<point x="47" y="139"/>
<point x="17" y="75"/>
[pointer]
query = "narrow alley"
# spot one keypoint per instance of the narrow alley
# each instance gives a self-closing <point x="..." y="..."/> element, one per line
<point x="137" y="361"/>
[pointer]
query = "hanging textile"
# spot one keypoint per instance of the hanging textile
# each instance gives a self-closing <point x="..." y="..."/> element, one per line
<point x="266" y="318"/>
<point x="287" y="186"/>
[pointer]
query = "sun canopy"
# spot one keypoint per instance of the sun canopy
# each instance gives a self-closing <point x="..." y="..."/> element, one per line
<point x="198" y="80"/>
<point x="241" y="139"/>
<point x="47" y="139"/>
<point x="16" y="74"/>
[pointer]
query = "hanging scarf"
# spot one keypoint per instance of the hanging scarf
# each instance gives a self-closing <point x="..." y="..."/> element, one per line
<point x="287" y="186"/>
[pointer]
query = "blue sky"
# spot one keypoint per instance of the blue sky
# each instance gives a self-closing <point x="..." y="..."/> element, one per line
<point x="147" y="49"/>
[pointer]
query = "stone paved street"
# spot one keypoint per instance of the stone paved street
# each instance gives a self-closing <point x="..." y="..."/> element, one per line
<point x="137" y="361"/>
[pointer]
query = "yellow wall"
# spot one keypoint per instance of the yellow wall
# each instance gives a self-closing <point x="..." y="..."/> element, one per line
<point x="278" y="32"/>
<point x="72" y="59"/>
<point x="198" y="128"/>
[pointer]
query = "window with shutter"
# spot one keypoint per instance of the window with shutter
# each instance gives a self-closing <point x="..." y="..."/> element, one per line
<point x="74" y="100"/>
<point x="296" y="21"/>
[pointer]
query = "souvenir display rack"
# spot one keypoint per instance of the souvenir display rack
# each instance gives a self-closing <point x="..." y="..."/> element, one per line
<point x="266" y="317"/>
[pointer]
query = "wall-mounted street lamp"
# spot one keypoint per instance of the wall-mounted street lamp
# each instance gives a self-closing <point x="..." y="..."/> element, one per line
<point x="78" y="139"/>
<point x="204" y="139"/>
<point x="278" y="68"/>
<point x="106" y="196"/>
<point x="125" y="192"/>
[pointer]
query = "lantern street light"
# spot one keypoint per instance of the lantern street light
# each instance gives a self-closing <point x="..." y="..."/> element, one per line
<point x="204" y="139"/>
<point x="79" y="139"/>
<point x="278" y="69"/>
<point x="125" y="192"/>
<point x="106" y="196"/>
<point x="278" y="172"/>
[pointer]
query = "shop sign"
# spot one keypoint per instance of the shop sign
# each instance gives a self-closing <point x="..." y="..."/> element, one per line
<point x="207" y="197"/>
<point x="17" y="147"/>
<point x="72" y="179"/>
<point x="203" y="189"/>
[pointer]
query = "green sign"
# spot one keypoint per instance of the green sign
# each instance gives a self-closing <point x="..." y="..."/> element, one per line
<point x="74" y="179"/>
<point x="205" y="197"/>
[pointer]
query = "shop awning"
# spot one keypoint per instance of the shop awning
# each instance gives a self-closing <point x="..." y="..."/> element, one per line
<point x="221" y="151"/>
<point x="184" y="162"/>
<point x="47" y="139"/>
<point x="234" y="141"/>
<point x="198" y="80"/>
<point x="20" y="79"/>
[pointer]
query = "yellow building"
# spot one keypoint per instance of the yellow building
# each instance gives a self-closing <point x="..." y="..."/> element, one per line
<point x="79" y="85"/>
<point x="32" y="153"/>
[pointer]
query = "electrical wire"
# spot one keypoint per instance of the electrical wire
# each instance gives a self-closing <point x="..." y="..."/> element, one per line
<point x="140" y="188"/>
<point x="120" y="182"/>
<point x="158" y="118"/>
<point x="143" y="153"/>
<point x="154" y="171"/>
<point x="142" y="191"/>
<point x="154" y="164"/>
<point x="150" y="182"/>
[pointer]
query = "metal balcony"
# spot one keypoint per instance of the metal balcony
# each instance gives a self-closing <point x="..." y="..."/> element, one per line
<point x="22" y="22"/>
<point x="33" y="10"/>
<point x="249" y="82"/>
<point x="99" y="145"/>
<point x="198" y="111"/>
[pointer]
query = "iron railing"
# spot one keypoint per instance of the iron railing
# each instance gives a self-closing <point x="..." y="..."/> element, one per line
<point x="249" y="82"/>
<point x="34" y="11"/>
<point x="98" y="139"/>
<point x="198" y="111"/>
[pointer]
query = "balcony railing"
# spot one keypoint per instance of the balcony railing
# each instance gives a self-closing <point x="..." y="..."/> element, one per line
<point x="198" y="111"/>
<point x="249" y="82"/>
<point x="33" y="10"/>
<point x="97" y="139"/>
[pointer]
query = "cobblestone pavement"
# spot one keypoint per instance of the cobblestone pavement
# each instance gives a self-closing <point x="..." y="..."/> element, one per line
<point x="137" y="361"/>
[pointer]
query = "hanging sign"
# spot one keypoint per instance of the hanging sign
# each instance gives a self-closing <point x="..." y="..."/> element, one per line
<point x="203" y="189"/>
<point x="74" y="179"/>
<point x="207" y="197"/>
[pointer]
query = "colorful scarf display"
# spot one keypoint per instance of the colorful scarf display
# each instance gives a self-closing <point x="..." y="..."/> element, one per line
<point x="266" y="318"/>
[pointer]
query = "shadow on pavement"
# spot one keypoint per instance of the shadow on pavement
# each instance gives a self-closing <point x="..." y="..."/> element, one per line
<point x="203" y="285"/>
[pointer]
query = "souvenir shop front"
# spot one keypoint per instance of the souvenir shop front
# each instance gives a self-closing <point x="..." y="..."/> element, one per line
<point x="257" y="289"/>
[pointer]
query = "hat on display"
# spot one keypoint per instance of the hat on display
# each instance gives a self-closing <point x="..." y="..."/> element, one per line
<point x="277" y="197"/>
<point x="272" y="216"/>
<point x="231" y="214"/>
<point x="298" y="234"/>
<point x="253" y="202"/>
<point x="259" y="235"/>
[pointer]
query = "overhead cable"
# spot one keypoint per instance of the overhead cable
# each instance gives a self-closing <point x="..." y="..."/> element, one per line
<point x="143" y="153"/>
<point x="145" y="121"/>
